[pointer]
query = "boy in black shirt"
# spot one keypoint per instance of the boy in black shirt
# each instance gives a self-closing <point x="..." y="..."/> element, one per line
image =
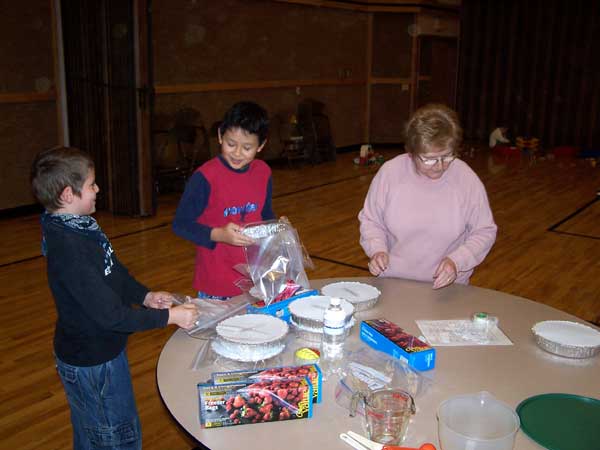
<point x="94" y="294"/>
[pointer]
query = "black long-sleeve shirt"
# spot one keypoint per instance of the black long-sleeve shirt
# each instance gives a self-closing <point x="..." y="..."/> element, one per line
<point x="95" y="309"/>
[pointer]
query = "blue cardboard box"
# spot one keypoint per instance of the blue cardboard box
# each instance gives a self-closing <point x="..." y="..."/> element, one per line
<point x="387" y="337"/>
<point x="280" y="309"/>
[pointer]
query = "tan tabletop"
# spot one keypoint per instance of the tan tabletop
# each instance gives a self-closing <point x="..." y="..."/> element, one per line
<point x="510" y="373"/>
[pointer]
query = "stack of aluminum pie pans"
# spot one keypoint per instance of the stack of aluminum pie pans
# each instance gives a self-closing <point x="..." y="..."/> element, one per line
<point x="306" y="316"/>
<point x="250" y="337"/>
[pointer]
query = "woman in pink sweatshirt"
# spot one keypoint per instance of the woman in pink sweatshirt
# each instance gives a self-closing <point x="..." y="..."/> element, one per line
<point x="427" y="216"/>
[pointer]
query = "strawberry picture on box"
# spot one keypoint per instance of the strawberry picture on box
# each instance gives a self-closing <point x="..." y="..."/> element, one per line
<point x="394" y="333"/>
<point x="387" y="337"/>
<point x="263" y="401"/>
<point x="311" y="371"/>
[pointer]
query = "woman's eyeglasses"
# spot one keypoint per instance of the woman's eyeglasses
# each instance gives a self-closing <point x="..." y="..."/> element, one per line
<point x="430" y="162"/>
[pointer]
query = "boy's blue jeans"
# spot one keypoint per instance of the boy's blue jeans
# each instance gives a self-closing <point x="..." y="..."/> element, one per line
<point x="103" y="411"/>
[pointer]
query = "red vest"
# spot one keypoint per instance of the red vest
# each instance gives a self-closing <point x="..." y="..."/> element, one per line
<point x="234" y="197"/>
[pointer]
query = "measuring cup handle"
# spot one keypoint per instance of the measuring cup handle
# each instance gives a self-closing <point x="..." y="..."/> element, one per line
<point x="413" y="408"/>
<point x="356" y="397"/>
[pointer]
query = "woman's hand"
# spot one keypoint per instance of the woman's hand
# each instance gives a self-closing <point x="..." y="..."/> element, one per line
<point x="445" y="274"/>
<point x="184" y="316"/>
<point x="158" y="300"/>
<point x="379" y="263"/>
<point x="231" y="234"/>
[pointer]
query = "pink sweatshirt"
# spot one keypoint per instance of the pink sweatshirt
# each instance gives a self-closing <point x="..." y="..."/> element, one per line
<point x="419" y="221"/>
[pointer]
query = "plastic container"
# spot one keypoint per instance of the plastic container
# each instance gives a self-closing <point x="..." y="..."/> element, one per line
<point x="483" y="326"/>
<point x="477" y="422"/>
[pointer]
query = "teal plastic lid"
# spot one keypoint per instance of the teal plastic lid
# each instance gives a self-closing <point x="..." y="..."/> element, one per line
<point x="561" y="421"/>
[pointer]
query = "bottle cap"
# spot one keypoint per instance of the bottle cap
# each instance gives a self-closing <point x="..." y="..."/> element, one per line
<point x="482" y="319"/>
<point x="306" y="355"/>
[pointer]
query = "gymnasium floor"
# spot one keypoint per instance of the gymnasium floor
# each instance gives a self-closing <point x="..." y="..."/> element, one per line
<point x="547" y="250"/>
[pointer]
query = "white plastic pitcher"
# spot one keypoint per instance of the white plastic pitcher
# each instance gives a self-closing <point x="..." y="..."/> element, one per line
<point x="477" y="422"/>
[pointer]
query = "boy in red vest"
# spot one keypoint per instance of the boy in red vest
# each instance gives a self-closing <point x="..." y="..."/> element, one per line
<point x="224" y="194"/>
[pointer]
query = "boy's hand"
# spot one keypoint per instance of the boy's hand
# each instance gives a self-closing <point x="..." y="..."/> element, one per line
<point x="231" y="234"/>
<point x="445" y="274"/>
<point x="158" y="300"/>
<point x="379" y="263"/>
<point x="184" y="316"/>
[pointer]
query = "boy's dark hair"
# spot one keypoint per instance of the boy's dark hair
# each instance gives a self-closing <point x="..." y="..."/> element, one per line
<point x="55" y="169"/>
<point x="250" y="117"/>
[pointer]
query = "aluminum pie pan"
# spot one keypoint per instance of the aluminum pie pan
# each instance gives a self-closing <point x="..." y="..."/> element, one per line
<point x="313" y="334"/>
<point x="305" y="323"/>
<point x="365" y="305"/>
<point x="252" y="329"/>
<point x="308" y="311"/>
<point x="549" y="336"/>
<point x="263" y="230"/>
<point x="316" y="325"/>
<point x="362" y="296"/>
<point x="247" y="352"/>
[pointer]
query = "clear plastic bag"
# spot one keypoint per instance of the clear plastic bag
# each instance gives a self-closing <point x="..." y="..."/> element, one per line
<point x="207" y="357"/>
<point x="276" y="258"/>
<point x="213" y="311"/>
<point x="366" y="370"/>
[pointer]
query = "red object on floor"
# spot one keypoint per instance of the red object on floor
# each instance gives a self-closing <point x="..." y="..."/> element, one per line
<point x="565" y="151"/>
<point x="503" y="150"/>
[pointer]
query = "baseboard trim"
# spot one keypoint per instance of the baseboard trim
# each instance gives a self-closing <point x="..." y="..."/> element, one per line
<point x="20" y="211"/>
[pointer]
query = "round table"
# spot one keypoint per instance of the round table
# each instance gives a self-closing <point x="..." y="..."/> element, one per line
<point x="510" y="373"/>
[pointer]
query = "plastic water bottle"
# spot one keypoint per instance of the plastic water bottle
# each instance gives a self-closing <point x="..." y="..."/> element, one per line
<point x="334" y="336"/>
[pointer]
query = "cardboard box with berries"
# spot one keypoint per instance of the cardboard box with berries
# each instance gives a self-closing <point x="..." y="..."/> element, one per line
<point x="311" y="371"/>
<point x="387" y="337"/>
<point x="254" y="401"/>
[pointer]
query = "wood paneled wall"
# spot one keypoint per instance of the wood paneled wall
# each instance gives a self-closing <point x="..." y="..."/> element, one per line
<point x="358" y="59"/>
<point x="208" y="55"/>
<point x="27" y="109"/>
<point x="531" y="66"/>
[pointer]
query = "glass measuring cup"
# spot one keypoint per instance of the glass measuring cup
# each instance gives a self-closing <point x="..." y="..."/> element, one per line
<point x="387" y="413"/>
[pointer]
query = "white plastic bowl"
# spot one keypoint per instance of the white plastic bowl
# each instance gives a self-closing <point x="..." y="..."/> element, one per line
<point x="476" y="422"/>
